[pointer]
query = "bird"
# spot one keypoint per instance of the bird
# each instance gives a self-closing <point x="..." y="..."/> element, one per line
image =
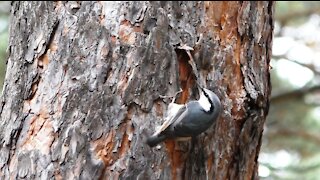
<point x="188" y="120"/>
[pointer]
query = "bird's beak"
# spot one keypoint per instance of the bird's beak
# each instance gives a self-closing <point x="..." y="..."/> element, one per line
<point x="200" y="88"/>
<point x="198" y="85"/>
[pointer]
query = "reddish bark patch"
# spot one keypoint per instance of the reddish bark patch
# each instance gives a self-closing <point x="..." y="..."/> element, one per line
<point x="158" y="108"/>
<point x="226" y="19"/>
<point x="40" y="133"/>
<point x="57" y="175"/>
<point x="104" y="146"/>
<point x="43" y="61"/>
<point x="127" y="130"/>
<point x="101" y="18"/>
<point x="174" y="157"/>
<point x="53" y="47"/>
<point x="186" y="76"/>
<point x="127" y="32"/>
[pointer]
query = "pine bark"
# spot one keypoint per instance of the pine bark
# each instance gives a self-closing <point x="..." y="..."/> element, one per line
<point x="84" y="85"/>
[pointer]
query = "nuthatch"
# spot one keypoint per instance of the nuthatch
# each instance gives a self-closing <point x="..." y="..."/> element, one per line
<point x="188" y="120"/>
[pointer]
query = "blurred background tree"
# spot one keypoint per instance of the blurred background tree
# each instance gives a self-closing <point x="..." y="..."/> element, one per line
<point x="4" y="24"/>
<point x="291" y="142"/>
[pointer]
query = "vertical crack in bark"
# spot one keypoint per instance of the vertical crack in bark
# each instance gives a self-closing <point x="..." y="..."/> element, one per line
<point x="186" y="78"/>
<point x="49" y="44"/>
<point x="34" y="87"/>
<point x="41" y="128"/>
<point x="43" y="61"/>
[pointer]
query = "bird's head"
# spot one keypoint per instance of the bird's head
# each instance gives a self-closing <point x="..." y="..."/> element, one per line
<point x="209" y="100"/>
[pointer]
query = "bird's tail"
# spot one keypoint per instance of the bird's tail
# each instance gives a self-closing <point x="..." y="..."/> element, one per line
<point x="155" y="139"/>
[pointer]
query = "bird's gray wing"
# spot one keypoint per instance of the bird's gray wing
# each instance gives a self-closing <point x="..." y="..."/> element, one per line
<point x="171" y="118"/>
<point x="185" y="125"/>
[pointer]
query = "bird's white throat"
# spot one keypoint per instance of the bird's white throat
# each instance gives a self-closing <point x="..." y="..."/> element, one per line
<point x="204" y="102"/>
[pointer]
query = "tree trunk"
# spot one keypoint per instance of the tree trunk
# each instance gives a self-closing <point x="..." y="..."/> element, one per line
<point x="84" y="83"/>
